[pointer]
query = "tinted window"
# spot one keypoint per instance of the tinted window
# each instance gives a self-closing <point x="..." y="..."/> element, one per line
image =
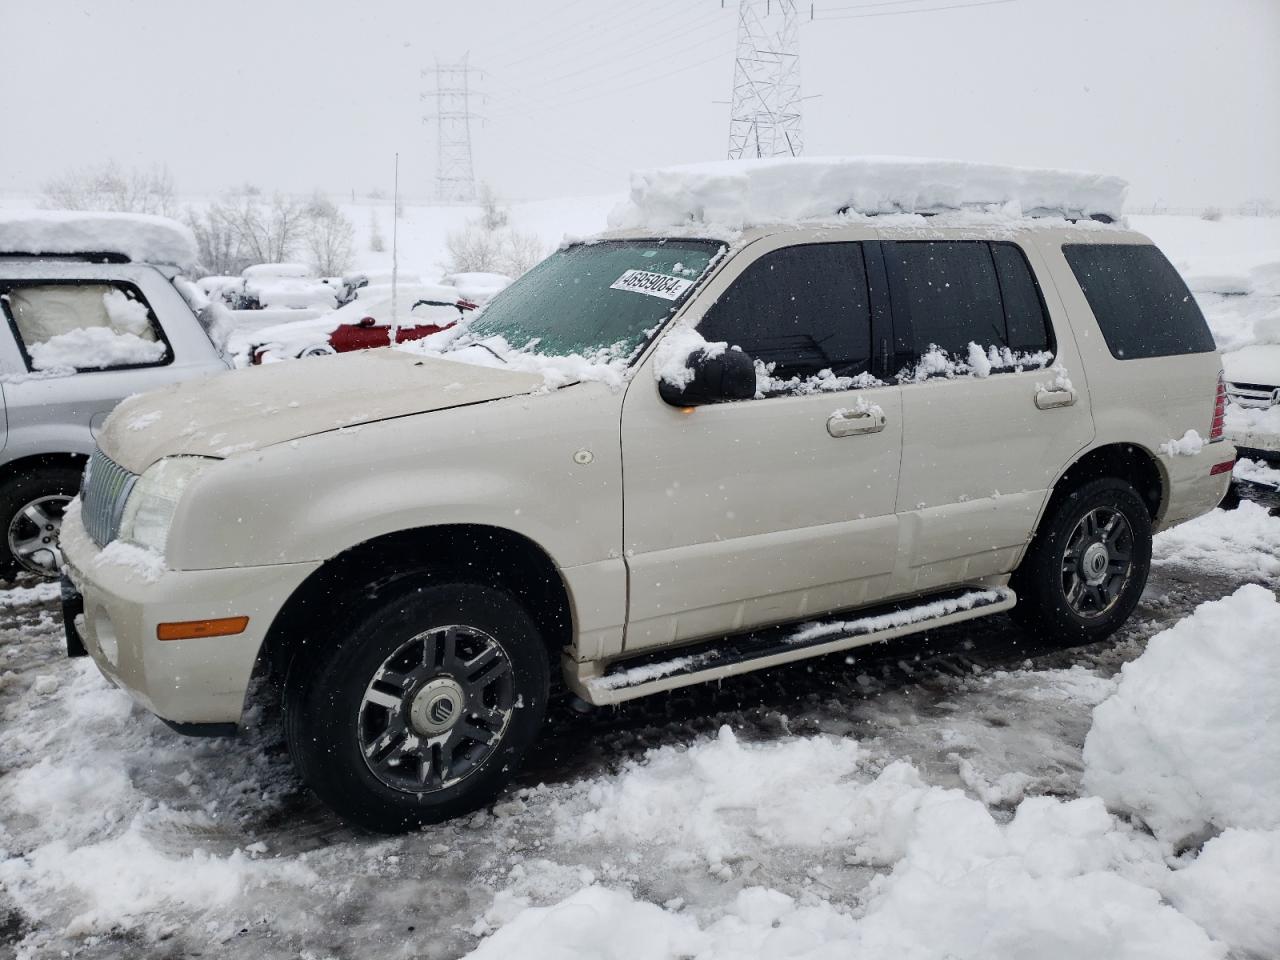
<point x="950" y="291"/>
<point x="803" y="308"/>
<point x="1026" y="326"/>
<point x="1140" y="302"/>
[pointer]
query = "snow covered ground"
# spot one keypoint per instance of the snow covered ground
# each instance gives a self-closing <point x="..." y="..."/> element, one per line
<point x="914" y="800"/>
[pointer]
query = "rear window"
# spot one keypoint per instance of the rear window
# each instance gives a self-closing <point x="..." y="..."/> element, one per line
<point x="1140" y="302"/>
<point x="83" y="326"/>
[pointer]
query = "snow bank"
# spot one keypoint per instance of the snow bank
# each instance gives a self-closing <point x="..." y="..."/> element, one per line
<point x="1232" y="889"/>
<point x="1061" y="880"/>
<point x="1244" y="541"/>
<point x="736" y="193"/>
<point x="140" y="237"/>
<point x="1190" y="741"/>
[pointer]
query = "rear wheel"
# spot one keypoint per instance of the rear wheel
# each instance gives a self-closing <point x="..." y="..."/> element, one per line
<point x="420" y="710"/>
<point x="1087" y="564"/>
<point x="31" y="508"/>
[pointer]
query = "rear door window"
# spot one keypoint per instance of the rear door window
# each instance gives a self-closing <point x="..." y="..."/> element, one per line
<point x="971" y="307"/>
<point x="1140" y="302"/>
<point x="801" y="311"/>
<point x="83" y="326"/>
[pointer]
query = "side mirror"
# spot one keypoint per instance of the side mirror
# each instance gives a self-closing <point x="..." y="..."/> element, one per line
<point x="730" y="376"/>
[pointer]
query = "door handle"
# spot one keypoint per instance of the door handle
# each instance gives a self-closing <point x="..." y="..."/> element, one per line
<point x="1048" y="399"/>
<point x="850" y="423"/>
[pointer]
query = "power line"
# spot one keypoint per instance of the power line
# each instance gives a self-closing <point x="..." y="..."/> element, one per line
<point x="898" y="13"/>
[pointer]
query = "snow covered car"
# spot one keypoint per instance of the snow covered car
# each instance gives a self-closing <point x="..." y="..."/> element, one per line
<point x="1253" y="389"/>
<point x="95" y="312"/>
<point x="769" y="417"/>
<point x="363" y="323"/>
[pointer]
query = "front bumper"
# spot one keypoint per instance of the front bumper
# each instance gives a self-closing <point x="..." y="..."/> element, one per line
<point x="184" y="682"/>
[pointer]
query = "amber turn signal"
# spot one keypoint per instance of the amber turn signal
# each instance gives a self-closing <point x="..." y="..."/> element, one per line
<point x="192" y="629"/>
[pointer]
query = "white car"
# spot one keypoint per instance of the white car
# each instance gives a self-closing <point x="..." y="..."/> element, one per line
<point x="678" y="452"/>
<point x="1253" y="388"/>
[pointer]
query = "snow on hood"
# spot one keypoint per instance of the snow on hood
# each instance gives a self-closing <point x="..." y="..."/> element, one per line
<point x="140" y="237"/>
<point x="1256" y="364"/>
<point x="244" y="410"/>
<point x="737" y="193"/>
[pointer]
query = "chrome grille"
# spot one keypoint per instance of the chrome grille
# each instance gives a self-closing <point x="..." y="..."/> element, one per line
<point x="103" y="493"/>
<point x="1253" y="394"/>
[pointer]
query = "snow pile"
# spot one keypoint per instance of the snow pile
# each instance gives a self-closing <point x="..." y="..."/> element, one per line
<point x="1244" y="541"/>
<point x="1061" y="880"/>
<point x="1188" y="445"/>
<point x="1256" y="471"/>
<point x="140" y="237"/>
<point x="1232" y="889"/>
<point x="477" y="286"/>
<point x="734" y="194"/>
<point x="671" y="358"/>
<point x="1247" y="425"/>
<point x="1190" y="741"/>
<point x="87" y="348"/>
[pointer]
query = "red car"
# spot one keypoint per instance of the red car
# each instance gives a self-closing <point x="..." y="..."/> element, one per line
<point x="310" y="338"/>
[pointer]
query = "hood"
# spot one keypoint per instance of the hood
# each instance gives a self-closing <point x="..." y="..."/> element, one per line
<point x="1256" y="364"/>
<point x="244" y="410"/>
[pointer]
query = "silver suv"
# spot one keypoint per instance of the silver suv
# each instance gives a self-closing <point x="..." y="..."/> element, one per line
<point x="81" y="334"/>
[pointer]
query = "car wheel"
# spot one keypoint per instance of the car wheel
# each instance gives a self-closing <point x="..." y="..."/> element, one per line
<point x="422" y="708"/>
<point x="318" y="350"/>
<point x="1087" y="565"/>
<point x="31" y="508"/>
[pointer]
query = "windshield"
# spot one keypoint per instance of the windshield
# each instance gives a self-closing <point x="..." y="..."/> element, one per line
<point x="607" y="296"/>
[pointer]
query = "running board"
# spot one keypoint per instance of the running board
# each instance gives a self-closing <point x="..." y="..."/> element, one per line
<point x="668" y="669"/>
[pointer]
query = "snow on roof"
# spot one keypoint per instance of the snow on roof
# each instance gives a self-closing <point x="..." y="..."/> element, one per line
<point x="273" y="271"/>
<point x="736" y="193"/>
<point x="141" y="238"/>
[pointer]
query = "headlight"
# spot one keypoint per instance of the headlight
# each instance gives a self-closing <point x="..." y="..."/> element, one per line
<point x="154" y="500"/>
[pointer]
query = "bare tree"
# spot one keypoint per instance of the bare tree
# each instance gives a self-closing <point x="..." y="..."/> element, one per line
<point x="217" y="239"/>
<point x="330" y="237"/>
<point x="111" y="188"/>
<point x="493" y="214"/>
<point x="376" y="243"/>
<point x="489" y="244"/>
<point x="472" y="250"/>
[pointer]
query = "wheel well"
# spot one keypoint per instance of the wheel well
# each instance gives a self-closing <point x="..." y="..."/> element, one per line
<point x="489" y="555"/>
<point x="1123" y="460"/>
<point x="13" y="468"/>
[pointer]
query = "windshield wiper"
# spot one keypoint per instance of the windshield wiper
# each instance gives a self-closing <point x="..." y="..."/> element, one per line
<point x="485" y="346"/>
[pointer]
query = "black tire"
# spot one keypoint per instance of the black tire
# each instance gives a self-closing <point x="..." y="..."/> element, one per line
<point x="1061" y="563"/>
<point x="49" y="488"/>
<point x="338" y="701"/>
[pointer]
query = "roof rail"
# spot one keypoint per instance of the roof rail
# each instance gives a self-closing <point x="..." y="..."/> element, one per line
<point x="93" y="256"/>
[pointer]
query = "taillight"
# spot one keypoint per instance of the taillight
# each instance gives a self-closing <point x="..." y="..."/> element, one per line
<point x="1219" y="410"/>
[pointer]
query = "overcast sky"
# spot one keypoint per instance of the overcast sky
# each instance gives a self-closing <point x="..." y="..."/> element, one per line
<point x="1182" y="97"/>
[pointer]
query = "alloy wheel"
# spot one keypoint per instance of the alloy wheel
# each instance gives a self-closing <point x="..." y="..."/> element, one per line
<point x="34" y="533"/>
<point x="1097" y="562"/>
<point x="436" y="709"/>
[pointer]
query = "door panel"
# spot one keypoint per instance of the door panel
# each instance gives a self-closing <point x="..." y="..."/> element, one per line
<point x="980" y="452"/>
<point x="758" y="511"/>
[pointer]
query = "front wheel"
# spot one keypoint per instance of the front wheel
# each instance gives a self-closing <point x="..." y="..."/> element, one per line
<point x="1087" y="565"/>
<point x="423" y="710"/>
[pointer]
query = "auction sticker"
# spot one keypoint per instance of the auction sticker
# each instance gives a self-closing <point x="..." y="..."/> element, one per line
<point x="653" y="284"/>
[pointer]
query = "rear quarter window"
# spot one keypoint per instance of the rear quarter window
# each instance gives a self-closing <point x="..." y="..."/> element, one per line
<point x="1140" y="302"/>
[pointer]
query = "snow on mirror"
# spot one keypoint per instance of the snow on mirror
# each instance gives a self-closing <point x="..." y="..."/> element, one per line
<point x="83" y="326"/>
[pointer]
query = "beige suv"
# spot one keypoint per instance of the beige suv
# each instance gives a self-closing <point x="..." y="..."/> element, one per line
<point x="650" y="462"/>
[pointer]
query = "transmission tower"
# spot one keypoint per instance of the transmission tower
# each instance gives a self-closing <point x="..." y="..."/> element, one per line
<point x="764" y="119"/>
<point x="455" y="176"/>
